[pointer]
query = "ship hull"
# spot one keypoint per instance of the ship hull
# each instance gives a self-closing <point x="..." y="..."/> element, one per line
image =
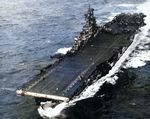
<point x="94" y="53"/>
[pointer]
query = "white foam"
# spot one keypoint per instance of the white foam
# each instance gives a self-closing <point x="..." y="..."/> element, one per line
<point x="52" y="112"/>
<point x="22" y="64"/>
<point x="63" y="50"/>
<point x="135" y="63"/>
<point x="126" y="5"/>
<point x="49" y="41"/>
<point x="145" y="9"/>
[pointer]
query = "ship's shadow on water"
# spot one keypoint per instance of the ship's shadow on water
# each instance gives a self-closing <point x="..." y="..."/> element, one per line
<point x="122" y="100"/>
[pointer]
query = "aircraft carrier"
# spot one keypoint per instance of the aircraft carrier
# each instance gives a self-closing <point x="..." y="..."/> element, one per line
<point x="94" y="53"/>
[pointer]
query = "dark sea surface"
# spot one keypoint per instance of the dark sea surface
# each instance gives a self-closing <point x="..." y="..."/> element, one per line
<point x="32" y="30"/>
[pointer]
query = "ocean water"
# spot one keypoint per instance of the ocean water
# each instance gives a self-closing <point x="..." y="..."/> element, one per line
<point x="32" y="30"/>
